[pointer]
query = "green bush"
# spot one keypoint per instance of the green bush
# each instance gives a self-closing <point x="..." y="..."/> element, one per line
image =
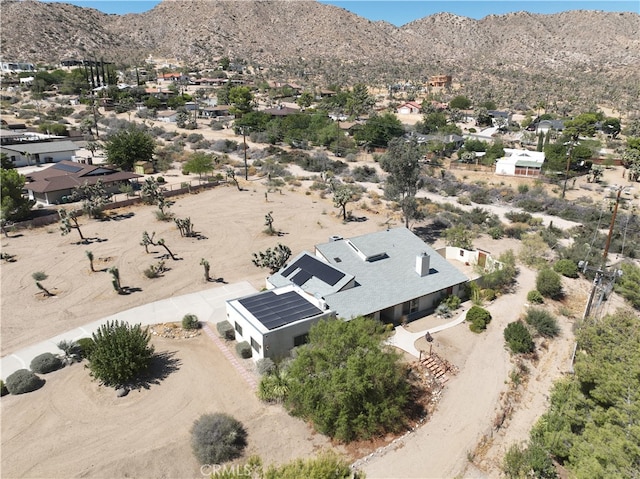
<point x="566" y="267"/>
<point x="86" y="346"/>
<point x="121" y="352"/>
<point x="226" y="330"/>
<point x="23" y="381"/>
<point x="479" y="318"/>
<point x="265" y="366"/>
<point x="217" y="438"/>
<point x="534" y="297"/>
<point x="273" y="387"/>
<point x="549" y="284"/>
<point x="190" y="321"/>
<point x="543" y="322"/>
<point x="3" y="388"/>
<point x="518" y="338"/>
<point x="243" y="349"/>
<point x="45" y="363"/>
<point x="489" y="294"/>
<point x="452" y="301"/>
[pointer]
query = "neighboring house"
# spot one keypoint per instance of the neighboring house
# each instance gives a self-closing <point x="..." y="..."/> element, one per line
<point x="390" y="275"/>
<point x="281" y="110"/>
<point x="52" y="185"/>
<point x="441" y="81"/>
<point x="214" y="111"/>
<point x="498" y="115"/>
<point x="167" y="116"/>
<point x="452" y="142"/>
<point x="520" y="163"/>
<point x="39" y="152"/>
<point x="543" y="126"/>
<point x="410" y="107"/>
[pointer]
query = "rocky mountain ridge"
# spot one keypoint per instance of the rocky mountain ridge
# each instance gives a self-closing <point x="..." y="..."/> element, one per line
<point x="309" y="40"/>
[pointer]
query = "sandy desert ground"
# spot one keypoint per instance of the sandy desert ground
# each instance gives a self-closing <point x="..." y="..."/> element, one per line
<point x="73" y="427"/>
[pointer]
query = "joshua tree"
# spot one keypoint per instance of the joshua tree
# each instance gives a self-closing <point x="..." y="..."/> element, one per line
<point x="147" y="240"/>
<point x="41" y="276"/>
<point x="68" y="222"/>
<point x="161" y="242"/>
<point x="116" y="280"/>
<point x="185" y="226"/>
<point x="205" y="264"/>
<point x="90" y="257"/>
<point x="231" y="175"/>
<point x="268" y="222"/>
<point x="274" y="259"/>
<point x="163" y="205"/>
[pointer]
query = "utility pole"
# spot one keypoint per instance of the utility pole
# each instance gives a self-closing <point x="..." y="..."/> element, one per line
<point x="244" y="138"/>
<point x="600" y="272"/>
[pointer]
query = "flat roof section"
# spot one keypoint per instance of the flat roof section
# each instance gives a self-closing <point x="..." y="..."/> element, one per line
<point x="276" y="310"/>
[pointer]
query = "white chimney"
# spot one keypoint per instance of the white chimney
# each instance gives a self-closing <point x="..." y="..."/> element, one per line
<point x="422" y="264"/>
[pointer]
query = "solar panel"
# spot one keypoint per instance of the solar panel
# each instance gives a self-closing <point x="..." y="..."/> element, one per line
<point x="66" y="167"/>
<point x="276" y="310"/>
<point x="289" y="270"/>
<point x="320" y="270"/>
<point x="301" y="278"/>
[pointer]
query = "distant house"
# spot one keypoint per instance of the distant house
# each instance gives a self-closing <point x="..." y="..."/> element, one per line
<point x="281" y="110"/>
<point x="410" y="107"/>
<point x="167" y="116"/>
<point x="520" y="163"/>
<point x="29" y="153"/>
<point x="54" y="184"/>
<point x="543" y="126"/>
<point x="214" y="111"/>
<point x="451" y="142"/>
<point x="497" y="115"/>
<point x="390" y="275"/>
<point x="441" y="81"/>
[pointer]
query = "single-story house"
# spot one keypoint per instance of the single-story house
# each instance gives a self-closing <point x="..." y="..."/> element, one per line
<point x="520" y="163"/>
<point x="410" y="107"/>
<point x="52" y="185"/>
<point x="452" y="141"/>
<point x="391" y="275"/>
<point x="214" y="111"/>
<point x="500" y="115"/>
<point x="543" y="126"/>
<point x="281" y="110"/>
<point x="38" y="152"/>
<point x="167" y="116"/>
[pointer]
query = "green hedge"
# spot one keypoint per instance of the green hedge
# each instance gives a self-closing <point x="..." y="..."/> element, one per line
<point x="479" y="318"/>
<point x="226" y="330"/>
<point x="518" y="338"/>
<point x="23" y="381"/>
<point x="190" y="321"/>
<point x="243" y="349"/>
<point x="86" y="346"/>
<point x="566" y="267"/>
<point x="535" y="297"/>
<point x="45" y="363"/>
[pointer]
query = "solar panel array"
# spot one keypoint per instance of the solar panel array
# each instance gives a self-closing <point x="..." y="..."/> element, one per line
<point x="66" y="167"/>
<point x="311" y="266"/>
<point x="275" y="310"/>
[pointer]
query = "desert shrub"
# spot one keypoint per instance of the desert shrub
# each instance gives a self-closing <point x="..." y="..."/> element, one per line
<point x="120" y="353"/>
<point x="23" y="381"/>
<point x="226" y="330"/>
<point x="274" y="387"/>
<point x="365" y="173"/>
<point x="45" y="363"/>
<point x="443" y="310"/>
<point x="86" y="345"/>
<point x="518" y="338"/>
<point x="452" y="301"/>
<point x="217" y="438"/>
<point x="479" y="318"/>
<point x="549" y="284"/>
<point x="190" y="321"/>
<point x="535" y="297"/>
<point x="243" y="349"/>
<point x="497" y="232"/>
<point x="489" y="294"/>
<point x="516" y="230"/>
<point x="543" y="322"/>
<point x="566" y="267"/>
<point x="3" y="388"/>
<point x="518" y="216"/>
<point x="265" y="366"/>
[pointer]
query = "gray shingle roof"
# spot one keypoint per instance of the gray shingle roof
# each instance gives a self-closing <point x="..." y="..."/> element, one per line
<point x="42" y="147"/>
<point x="389" y="277"/>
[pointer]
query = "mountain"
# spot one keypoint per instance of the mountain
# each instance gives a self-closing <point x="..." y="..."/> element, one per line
<point x="309" y="40"/>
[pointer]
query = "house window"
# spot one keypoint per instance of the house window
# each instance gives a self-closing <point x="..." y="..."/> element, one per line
<point x="238" y="329"/>
<point x="413" y="306"/>
<point x="300" y="340"/>
<point x="255" y="345"/>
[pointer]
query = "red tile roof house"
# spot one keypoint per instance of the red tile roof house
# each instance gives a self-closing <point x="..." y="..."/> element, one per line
<point x="54" y="184"/>
<point x="409" y="107"/>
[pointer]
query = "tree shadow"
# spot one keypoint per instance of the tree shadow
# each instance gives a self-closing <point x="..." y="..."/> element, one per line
<point x="356" y="219"/>
<point x="88" y="241"/>
<point x="430" y="233"/>
<point x="160" y="367"/>
<point x="218" y="280"/>
<point x="118" y="217"/>
<point x="125" y="290"/>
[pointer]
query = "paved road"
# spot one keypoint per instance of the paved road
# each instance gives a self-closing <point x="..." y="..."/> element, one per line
<point x="208" y="305"/>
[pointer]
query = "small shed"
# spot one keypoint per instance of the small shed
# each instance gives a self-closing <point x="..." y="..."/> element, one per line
<point x="143" y="168"/>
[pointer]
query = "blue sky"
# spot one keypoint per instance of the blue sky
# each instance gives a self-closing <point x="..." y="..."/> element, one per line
<point x="405" y="11"/>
